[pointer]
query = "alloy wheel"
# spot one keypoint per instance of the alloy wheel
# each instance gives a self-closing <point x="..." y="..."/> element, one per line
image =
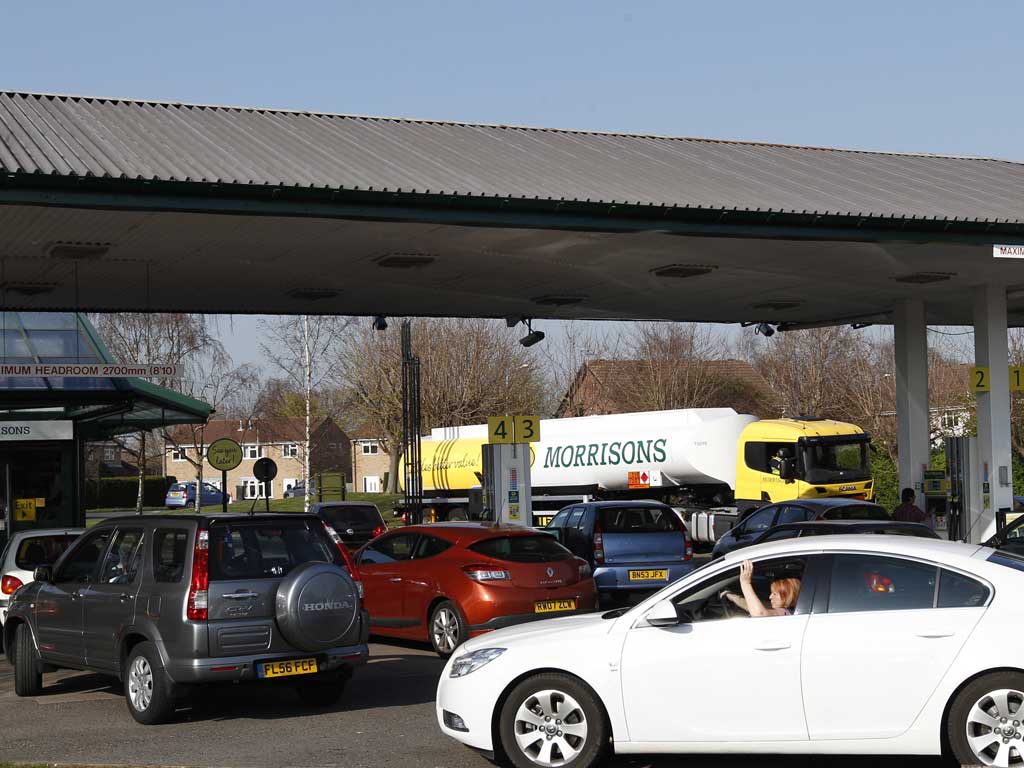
<point x="550" y="728"/>
<point x="995" y="728"/>
<point x="140" y="683"/>
<point x="446" y="630"/>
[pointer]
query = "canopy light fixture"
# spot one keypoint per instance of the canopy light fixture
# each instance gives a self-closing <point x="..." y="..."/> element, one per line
<point x="28" y="289"/>
<point x="79" y="251"/>
<point x="405" y="260"/>
<point x="313" y="294"/>
<point x="556" y="300"/>
<point x="683" y="270"/>
<point x="380" y="323"/>
<point x="533" y="337"/>
<point x="923" y="278"/>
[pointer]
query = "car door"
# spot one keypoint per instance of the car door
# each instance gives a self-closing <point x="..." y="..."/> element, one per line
<point x="746" y="533"/>
<point x="109" y="599"/>
<point x="574" y="537"/>
<point x="718" y="679"/>
<point x="420" y="582"/>
<point x="557" y="524"/>
<point x="59" y="608"/>
<point x="891" y="628"/>
<point x="384" y="565"/>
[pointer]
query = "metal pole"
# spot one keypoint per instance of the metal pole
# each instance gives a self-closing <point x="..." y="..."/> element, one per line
<point x="224" y="490"/>
<point x="411" y="427"/>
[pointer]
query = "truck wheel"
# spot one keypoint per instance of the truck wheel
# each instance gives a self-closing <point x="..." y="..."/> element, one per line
<point x="146" y="687"/>
<point x="447" y="629"/>
<point x="28" y="680"/>
<point x="552" y="719"/>
<point x="984" y="725"/>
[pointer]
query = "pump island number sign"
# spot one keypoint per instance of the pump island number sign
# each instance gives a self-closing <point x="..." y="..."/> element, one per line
<point x="224" y="454"/>
<point x="513" y="429"/>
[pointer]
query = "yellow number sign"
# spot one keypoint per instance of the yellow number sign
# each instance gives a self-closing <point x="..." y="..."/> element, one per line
<point x="1017" y="378"/>
<point x="527" y="429"/>
<point x="500" y="429"/>
<point x="980" y="381"/>
<point x="25" y="510"/>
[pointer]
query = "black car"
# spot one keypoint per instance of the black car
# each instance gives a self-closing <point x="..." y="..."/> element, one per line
<point x="751" y="527"/>
<point x="830" y="527"/>
<point x="356" y="522"/>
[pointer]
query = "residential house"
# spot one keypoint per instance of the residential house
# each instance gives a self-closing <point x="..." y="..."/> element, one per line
<point x="370" y="462"/>
<point x="281" y="439"/>
<point x="107" y="458"/>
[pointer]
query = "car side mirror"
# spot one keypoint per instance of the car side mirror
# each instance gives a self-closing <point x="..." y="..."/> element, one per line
<point x="43" y="573"/>
<point x="663" y="614"/>
<point x="787" y="469"/>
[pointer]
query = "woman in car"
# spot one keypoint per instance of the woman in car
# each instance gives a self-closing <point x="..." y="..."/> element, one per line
<point x="783" y="596"/>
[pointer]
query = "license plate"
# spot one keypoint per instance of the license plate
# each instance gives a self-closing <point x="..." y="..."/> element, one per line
<point x="286" y="668"/>
<point x="175" y="494"/>
<point x="649" y="574"/>
<point x="553" y="606"/>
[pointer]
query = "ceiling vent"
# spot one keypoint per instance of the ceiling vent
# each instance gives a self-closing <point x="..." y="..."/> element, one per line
<point x="78" y="251"/>
<point x="778" y="305"/>
<point x="27" y="289"/>
<point x="557" y="300"/>
<point x="683" y="270"/>
<point x="405" y="260"/>
<point x="923" y="278"/>
<point x="313" y="294"/>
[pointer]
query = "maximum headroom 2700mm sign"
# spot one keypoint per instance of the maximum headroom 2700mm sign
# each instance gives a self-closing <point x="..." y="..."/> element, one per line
<point x="88" y="370"/>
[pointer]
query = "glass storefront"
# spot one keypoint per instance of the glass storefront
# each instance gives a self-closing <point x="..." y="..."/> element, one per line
<point x="37" y="486"/>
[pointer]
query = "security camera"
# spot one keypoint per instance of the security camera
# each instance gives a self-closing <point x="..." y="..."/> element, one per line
<point x="380" y="323"/>
<point x="532" y="338"/>
<point x="765" y="329"/>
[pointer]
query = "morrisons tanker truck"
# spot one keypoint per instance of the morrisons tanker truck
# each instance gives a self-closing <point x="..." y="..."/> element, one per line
<point x="713" y="461"/>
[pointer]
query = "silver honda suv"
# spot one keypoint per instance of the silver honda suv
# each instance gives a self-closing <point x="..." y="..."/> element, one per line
<point x="167" y="602"/>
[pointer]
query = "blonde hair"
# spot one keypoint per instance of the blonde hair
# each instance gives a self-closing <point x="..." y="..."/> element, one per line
<point x="788" y="589"/>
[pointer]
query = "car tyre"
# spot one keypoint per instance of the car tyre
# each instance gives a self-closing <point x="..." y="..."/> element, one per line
<point x="569" y="723"/>
<point x="28" y="680"/>
<point x="985" y="721"/>
<point x="447" y="628"/>
<point x="190" y="505"/>
<point x="146" y="687"/>
<point x="321" y="693"/>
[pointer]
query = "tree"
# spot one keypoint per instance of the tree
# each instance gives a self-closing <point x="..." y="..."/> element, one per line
<point x="301" y="348"/>
<point x="470" y="369"/>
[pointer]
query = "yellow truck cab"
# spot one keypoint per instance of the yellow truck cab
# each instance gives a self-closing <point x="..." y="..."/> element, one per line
<point x="782" y="459"/>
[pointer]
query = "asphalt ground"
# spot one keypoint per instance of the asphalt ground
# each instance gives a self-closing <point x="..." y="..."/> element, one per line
<point x="385" y="718"/>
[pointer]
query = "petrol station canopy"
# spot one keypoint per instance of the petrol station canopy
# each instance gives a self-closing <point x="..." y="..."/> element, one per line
<point x="121" y="205"/>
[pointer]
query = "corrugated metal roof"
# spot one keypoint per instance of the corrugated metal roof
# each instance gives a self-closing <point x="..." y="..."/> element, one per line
<point x="115" y="138"/>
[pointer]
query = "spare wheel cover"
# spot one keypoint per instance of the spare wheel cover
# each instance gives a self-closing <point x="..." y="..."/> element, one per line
<point x="316" y="606"/>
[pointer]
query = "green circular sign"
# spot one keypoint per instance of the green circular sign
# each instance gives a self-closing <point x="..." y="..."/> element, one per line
<point x="224" y="454"/>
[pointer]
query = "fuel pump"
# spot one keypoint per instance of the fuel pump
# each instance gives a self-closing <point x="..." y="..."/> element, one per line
<point x="936" y="498"/>
<point x="507" y="498"/>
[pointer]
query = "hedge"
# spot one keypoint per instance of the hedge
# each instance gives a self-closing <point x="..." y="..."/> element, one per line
<point x="124" y="491"/>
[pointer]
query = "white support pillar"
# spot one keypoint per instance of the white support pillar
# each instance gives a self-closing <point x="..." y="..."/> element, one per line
<point x="913" y="430"/>
<point x="995" y="480"/>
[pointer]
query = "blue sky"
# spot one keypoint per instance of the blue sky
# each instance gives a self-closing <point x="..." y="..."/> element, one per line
<point x="907" y="76"/>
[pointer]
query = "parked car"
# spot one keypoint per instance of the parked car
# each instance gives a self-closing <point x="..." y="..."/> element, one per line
<point x="630" y="545"/>
<point x="835" y="527"/>
<point x="356" y="522"/>
<point x="896" y="645"/>
<point x="298" y="491"/>
<point x="760" y="520"/>
<point x="26" y="551"/>
<point x="183" y="495"/>
<point x="446" y="582"/>
<point x="166" y="602"/>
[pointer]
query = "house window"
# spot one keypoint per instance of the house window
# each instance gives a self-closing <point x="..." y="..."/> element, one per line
<point x="178" y="454"/>
<point x="252" y="451"/>
<point x="110" y="453"/>
<point x="291" y="451"/>
<point x="371" y="448"/>
<point x="254" y="489"/>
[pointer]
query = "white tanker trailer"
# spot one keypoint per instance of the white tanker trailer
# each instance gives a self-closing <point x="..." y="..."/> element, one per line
<point x="696" y="457"/>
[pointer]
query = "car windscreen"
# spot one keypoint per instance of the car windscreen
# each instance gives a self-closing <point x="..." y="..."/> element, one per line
<point x="541" y="548"/>
<point x="857" y="512"/>
<point x="260" y="549"/>
<point x="42" y="550"/>
<point x="639" y="520"/>
<point x="346" y="517"/>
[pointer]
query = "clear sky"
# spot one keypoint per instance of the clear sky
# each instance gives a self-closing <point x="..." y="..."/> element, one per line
<point x="941" y="76"/>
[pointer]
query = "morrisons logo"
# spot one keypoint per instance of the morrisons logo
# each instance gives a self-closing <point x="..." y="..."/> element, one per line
<point x="611" y="454"/>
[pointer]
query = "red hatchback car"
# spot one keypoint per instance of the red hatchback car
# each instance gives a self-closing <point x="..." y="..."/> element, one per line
<point x="447" y="582"/>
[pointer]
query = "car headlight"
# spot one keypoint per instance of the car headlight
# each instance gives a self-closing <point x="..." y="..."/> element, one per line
<point x="472" y="661"/>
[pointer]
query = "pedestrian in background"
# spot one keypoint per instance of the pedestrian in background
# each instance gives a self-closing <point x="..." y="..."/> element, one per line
<point x="909" y="512"/>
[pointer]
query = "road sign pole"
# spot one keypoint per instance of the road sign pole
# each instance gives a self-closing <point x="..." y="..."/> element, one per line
<point x="224" y="490"/>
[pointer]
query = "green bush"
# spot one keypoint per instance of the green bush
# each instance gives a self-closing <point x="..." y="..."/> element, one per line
<point x="107" y="492"/>
<point x="887" y="481"/>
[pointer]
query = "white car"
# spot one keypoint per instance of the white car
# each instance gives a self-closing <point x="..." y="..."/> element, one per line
<point x="26" y="551"/>
<point x="895" y="645"/>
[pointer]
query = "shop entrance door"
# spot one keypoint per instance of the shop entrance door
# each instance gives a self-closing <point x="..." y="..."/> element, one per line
<point x="37" y="487"/>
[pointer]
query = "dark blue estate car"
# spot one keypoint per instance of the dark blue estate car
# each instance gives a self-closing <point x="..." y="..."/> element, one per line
<point x="631" y="546"/>
<point x="747" y="531"/>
